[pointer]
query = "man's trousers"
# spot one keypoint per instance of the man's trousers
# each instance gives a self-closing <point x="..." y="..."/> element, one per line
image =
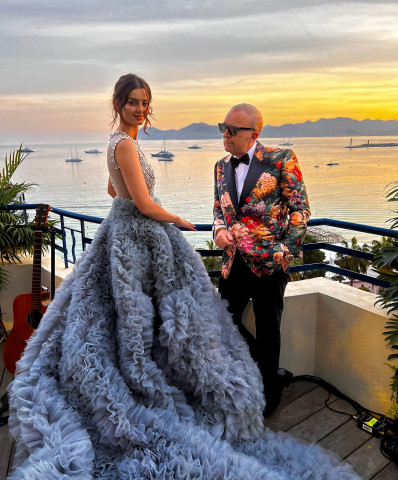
<point x="267" y="294"/>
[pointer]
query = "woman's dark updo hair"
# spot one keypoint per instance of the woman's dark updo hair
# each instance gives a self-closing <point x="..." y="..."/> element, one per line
<point x="120" y="97"/>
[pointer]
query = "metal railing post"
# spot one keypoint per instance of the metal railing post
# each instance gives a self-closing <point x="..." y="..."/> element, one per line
<point x="65" y="250"/>
<point x="52" y="286"/>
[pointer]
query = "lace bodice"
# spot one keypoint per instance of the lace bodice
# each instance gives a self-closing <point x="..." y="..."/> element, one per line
<point x="116" y="175"/>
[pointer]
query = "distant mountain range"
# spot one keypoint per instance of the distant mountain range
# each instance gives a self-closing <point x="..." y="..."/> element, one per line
<point x="324" y="127"/>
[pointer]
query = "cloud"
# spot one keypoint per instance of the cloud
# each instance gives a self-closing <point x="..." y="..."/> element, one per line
<point x="184" y="47"/>
<point x="95" y="11"/>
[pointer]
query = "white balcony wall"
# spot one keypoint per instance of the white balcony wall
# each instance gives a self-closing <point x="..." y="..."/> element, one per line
<point x="335" y="332"/>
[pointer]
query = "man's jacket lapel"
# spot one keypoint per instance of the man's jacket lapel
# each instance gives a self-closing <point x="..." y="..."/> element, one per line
<point x="231" y="184"/>
<point x="256" y="168"/>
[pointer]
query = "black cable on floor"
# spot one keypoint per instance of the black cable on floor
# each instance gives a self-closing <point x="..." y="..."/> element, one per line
<point x="330" y="388"/>
<point x="389" y="447"/>
<point x="389" y="441"/>
<point x="334" y="410"/>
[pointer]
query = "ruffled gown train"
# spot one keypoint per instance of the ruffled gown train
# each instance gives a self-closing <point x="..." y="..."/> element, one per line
<point x="138" y="372"/>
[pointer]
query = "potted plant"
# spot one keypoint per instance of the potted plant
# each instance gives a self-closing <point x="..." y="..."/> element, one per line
<point x="16" y="231"/>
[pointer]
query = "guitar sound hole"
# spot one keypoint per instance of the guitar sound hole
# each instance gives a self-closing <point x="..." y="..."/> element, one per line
<point x="34" y="319"/>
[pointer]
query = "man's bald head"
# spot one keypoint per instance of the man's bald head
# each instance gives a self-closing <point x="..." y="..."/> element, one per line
<point x="256" y="119"/>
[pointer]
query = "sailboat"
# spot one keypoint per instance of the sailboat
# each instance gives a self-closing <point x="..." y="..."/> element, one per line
<point x="285" y="143"/>
<point x="73" y="158"/>
<point x="94" y="151"/>
<point x="163" y="154"/>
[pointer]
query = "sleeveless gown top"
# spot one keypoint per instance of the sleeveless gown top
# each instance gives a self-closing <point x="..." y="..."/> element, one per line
<point x="116" y="175"/>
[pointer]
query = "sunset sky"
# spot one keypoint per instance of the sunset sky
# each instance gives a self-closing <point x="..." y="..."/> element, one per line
<point x="295" y="60"/>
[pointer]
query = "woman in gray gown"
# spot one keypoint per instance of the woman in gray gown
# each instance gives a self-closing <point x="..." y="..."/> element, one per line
<point x="137" y="370"/>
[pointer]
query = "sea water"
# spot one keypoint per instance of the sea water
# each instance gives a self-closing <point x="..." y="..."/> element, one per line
<point x="354" y="190"/>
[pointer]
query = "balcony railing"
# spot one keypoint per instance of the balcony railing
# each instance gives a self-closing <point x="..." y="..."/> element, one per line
<point x="70" y="235"/>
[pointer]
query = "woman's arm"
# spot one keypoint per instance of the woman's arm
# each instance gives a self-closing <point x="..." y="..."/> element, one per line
<point x="129" y="163"/>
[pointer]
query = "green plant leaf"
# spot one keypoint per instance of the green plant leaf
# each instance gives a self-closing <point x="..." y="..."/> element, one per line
<point x="386" y="265"/>
<point x="387" y="257"/>
<point x="16" y="234"/>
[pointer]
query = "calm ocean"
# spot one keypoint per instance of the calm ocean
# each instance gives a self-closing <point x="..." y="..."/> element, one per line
<point x="353" y="191"/>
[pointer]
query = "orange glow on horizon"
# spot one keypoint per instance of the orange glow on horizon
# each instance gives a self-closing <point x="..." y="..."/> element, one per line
<point x="358" y="93"/>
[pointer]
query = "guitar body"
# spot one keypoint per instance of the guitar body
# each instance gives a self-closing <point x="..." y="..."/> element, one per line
<point x="21" y="330"/>
<point x="28" y="308"/>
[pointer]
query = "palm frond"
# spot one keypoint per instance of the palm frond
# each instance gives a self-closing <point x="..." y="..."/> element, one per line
<point x="12" y="194"/>
<point x="212" y="263"/>
<point x="3" y="278"/>
<point x="16" y="233"/>
<point x="388" y="256"/>
<point x="392" y="192"/>
<point x="394" y="221"/>
<point x="388" y="299"/>
<point x="386" y="265"/>
<point x="12" y="162"/>
<point x="392" y="196"/>
<point x="391" y="331"/>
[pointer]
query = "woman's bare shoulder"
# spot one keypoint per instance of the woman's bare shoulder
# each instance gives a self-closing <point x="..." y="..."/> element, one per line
<point x="126" y="147"/>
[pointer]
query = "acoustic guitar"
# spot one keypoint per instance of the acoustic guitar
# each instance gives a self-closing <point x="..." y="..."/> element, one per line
<point x="28" y="308"/>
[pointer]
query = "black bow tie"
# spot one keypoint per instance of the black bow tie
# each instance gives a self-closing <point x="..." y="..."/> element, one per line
<point x="235" y="161"/>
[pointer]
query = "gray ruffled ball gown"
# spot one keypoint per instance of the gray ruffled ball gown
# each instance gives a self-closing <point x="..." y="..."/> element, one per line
<point x="138" y="372"/>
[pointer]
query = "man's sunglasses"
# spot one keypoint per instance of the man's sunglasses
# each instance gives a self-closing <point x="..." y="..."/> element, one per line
<point x="232" y="130"/>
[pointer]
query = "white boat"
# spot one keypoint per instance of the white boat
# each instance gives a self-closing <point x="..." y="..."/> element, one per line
<point x="92" y="151"/>
<point x="285" y="143"/>
<point x="26" y="150"/>
<point x="73" y="158"/>
<point x="194" y="147"/>
<point x="163" y="154"/>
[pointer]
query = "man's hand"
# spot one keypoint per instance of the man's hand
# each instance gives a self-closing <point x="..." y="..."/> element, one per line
<point x="223" y="238"/>
<point x="285" y="264"/>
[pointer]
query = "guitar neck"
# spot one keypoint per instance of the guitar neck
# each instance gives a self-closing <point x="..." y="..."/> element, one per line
<point x="36" y="273"/>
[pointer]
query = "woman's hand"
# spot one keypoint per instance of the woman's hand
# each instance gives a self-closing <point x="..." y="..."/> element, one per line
<point x="180" y="222"/>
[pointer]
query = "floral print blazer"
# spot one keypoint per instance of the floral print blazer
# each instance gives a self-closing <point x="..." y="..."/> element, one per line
<point x="270" y="218"/>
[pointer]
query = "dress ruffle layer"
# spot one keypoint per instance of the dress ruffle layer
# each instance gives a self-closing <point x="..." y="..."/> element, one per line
<point x="137" y="371"/>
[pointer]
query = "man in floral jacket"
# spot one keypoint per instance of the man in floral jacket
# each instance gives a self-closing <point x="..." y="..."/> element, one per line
<point x="260" y="215"/>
